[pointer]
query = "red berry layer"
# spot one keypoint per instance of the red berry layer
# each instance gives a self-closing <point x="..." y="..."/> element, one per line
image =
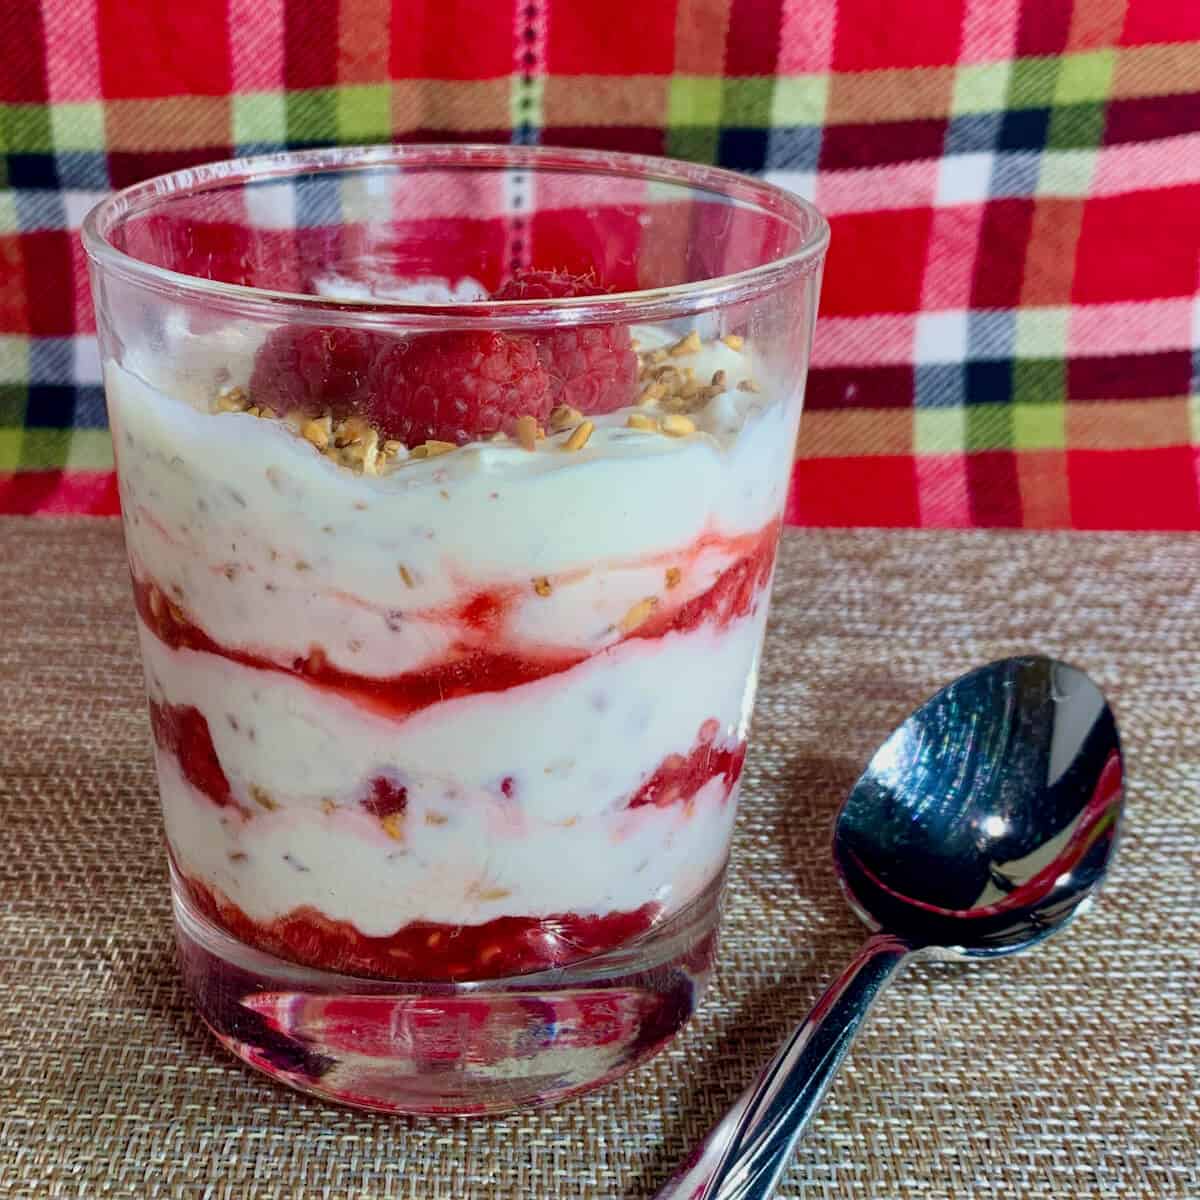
<point x="679" y="777"/>
<point x="425" y="950"/>
<point x="477" y="662"/>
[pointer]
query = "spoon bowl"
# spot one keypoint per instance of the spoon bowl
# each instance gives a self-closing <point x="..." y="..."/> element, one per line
<point x="982" y="825"/>
<point x="988" y="818"/>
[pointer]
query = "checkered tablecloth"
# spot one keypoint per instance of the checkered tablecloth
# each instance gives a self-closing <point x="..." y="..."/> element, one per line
<point x="1009" y="331"/>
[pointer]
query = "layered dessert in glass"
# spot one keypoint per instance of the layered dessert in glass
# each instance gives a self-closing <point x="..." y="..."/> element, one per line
<point x="451" y="553"/>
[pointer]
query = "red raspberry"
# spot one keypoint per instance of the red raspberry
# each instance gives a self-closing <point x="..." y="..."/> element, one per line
<point x="592" y="367"/>
<point x="457" y="387"/>
<point x="314" y="369"/>
<point x="385" y="799"/>
<point x="182" y="730"/>
<point x="528" y="284"/>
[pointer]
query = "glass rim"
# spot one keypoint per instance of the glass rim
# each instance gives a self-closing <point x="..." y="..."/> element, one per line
<point x="676" y="300"/>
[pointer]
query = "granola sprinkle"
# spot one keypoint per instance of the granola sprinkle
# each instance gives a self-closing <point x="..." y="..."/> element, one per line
<point x="432" y="449"/>
<point x="262" y="798"/>
<point x="232" y="400"/>
<point x="686" y="345"/>
<point x="668" y="386"/>
<point x="564" y="417"/>
<point x="638" y="614"/>
<point x="579" y="438"/>
<point x="318" y="431"/>
<point x="677" y="425"/>
<point x="527" y="430"/>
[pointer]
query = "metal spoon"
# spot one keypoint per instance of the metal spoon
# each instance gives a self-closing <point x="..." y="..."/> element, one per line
<point x="981" y="826"/>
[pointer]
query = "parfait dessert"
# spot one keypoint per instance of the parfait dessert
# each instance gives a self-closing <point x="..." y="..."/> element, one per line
<point x="451" y="638"/>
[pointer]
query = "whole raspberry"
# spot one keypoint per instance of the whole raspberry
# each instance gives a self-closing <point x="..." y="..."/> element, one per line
<point x="457" y="387"/>
<point x="529" y="284"/>
<point x="591" y="367"/>
<point x="314" y="369"/>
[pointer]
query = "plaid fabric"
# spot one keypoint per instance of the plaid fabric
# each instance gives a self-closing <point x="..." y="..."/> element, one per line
<point x="1010" y="333"/>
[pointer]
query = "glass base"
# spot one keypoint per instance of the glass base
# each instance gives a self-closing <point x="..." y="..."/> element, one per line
<point x="450" y="1049"/>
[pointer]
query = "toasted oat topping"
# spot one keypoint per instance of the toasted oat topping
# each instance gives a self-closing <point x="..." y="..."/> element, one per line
<point x="526" y="430"/>
<point x="541" y="585"/>
<point x="349" y="431"/>
<point x="564" y="417"/>
<point x="232" y="400"/>
<point x="677" y="425"/>
<point x="672" y="387"/>
<point x="431" y="449"/>
<point x="579" y="438"/>
<point x="674" y="575"/>
<point x="262" y="798"/>
<point x="669" y="394"/>
<point x="638" y="614"/>
<point x="491" y="893"/>
<point x="318" y="431"/>
<point x="686" y="345"/>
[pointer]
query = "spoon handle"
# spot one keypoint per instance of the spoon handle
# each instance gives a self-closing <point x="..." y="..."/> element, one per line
<point x="745" y="1153"/>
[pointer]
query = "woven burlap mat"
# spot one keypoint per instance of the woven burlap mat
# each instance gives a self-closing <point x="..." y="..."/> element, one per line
<point x="1071" y="1072"/>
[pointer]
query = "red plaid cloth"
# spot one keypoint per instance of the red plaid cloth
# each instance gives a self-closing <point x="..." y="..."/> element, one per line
<point x="1010" y="333"/>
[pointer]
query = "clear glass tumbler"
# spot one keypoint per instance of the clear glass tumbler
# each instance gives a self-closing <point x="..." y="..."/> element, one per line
<point x="452" y="479"/>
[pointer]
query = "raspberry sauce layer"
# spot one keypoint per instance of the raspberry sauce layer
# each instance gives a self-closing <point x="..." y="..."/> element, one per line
<point x="681" y="776"/>
<point x="425" y="950"/>
<point x="477" y="662"/>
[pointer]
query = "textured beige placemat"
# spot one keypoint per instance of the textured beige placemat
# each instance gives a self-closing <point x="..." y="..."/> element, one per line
<point x="1070" y="1073"/>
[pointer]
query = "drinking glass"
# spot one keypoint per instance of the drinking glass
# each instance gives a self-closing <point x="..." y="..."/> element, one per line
<point x="451" y="481"/>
